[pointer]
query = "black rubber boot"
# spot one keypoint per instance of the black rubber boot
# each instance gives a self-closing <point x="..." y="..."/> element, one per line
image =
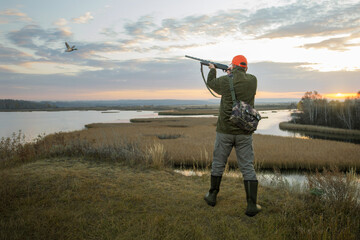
<point x="210" y="197"/>
<point x="251" y="188"/>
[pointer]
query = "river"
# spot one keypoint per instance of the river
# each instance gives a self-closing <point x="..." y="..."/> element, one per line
<point x="35" y="123"/>
<point x="296" y="181"/>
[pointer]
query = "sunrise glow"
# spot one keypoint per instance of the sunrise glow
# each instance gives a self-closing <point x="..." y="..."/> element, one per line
<point x="340" y="95"/>
<point x="127" y="52"/>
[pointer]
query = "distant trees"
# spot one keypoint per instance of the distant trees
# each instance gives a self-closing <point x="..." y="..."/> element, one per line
<point x="10" y="104"/>
<point x="316" y="110"/>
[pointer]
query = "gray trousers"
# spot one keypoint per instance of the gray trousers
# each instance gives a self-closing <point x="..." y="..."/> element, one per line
<point x="224" y="143"/>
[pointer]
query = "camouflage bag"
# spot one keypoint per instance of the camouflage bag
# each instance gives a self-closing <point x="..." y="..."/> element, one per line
<point x="243" y="115"/>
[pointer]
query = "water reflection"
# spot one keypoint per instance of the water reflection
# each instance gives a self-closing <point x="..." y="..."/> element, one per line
<point x="293" y="182"/>
<point x="269" y="124"/>
<point x="37" y="123"/>
<point x="290" y="180"/>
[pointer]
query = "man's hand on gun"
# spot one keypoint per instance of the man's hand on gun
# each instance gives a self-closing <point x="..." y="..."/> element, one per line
<point x="212" y="66"/>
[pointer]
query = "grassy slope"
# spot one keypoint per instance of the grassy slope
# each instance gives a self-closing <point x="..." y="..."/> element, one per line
<point x="84" y="188"/>
<point x="66" y="198"/>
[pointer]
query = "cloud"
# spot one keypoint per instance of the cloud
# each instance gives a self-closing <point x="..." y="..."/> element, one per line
<point x="109" y="32"/>
<point x="336" y="44"/>
<point x="220" y="24"/>
<point x="293" y="77"/>
<point x="162" y="75"/>
<point x="48" y="46"/>
<point x="147" y="34"/>
<point x="49" y="68"/>
<point x="15" y="15"/>
<point x="140" y="28"/>
<point x="12" y="55"/>
<point x="304" y="18"/>
<point x="83" y="19"/>
<point x="41" y="46"/>
<point x="61" y="22"/>
<point x="27" y="36"/>
<point x="300" y="19"/>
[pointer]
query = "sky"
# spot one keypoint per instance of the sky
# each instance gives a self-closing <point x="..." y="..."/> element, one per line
<point x="135" y="49"/>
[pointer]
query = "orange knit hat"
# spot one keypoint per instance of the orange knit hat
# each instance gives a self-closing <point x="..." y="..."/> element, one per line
<point x="240" y="60"/>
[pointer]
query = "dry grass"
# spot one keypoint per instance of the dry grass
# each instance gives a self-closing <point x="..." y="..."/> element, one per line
<point x="15" y="150"/>
<point x="157" y="154"/>
<point x="70" y="198"/>
<point x="184" y="112"/>
<point x="305" y="154"/>
<point x="196" y="142"/>
<point x="335" y="187"/>
<point x="111" y="181"/>
<point x="319" y="129"/>
<point x="187" y="142"/>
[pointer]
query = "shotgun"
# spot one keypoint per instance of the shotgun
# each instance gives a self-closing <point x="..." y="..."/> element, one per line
<point x="206" y="62"/>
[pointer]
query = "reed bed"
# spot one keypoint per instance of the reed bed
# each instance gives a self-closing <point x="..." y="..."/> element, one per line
<point x="320" y="129"/>
<point x="185" y="142"/>
<point x="193" y="144"/>
<point x="190" y="112"/>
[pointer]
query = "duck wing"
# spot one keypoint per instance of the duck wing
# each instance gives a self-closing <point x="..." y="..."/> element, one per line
<point x="67" y="45"/>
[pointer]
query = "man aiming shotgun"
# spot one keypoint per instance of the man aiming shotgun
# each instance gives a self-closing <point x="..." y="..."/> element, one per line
<point x="206" y="63"/>
<point x="240" y="85"/>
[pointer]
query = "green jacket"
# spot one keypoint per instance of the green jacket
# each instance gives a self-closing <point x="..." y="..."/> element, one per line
<point x="245" y="89"/>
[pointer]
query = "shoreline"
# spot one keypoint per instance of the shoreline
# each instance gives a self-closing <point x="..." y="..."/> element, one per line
<point x="198" y="109"/>
<point x="197" y="136"/>
<point x="320" y="129"/>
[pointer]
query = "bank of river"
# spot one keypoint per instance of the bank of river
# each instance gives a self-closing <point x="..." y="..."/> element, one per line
<point x="37" y="123"/>
<point x="295" y="181"/>
<point x="298" y="180"/>
<point x="322" y="132"/>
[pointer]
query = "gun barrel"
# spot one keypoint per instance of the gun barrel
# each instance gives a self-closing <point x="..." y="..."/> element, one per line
<point x="206" y="62"/>
<point x="198" y="59"/>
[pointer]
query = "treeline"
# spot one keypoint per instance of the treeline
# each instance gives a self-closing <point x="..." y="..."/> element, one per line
<point x="315" y="110"/>
<point x="10" y="104"/>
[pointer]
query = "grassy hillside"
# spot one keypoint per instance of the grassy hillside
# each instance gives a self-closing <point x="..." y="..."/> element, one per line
<point x="117" y="181"/>
<point x="71" y="198"/>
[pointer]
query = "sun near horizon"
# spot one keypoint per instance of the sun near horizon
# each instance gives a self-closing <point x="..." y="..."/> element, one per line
<point x="340" y="95"/>
<point x="178" y="94"/>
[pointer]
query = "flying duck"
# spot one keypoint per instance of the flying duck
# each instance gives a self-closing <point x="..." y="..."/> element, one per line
<point x="68" y="48"/>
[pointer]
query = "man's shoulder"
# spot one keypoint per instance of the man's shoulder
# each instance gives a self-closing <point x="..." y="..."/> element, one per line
<point x="249" y="75"/>
<point x="224" y="78"/>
